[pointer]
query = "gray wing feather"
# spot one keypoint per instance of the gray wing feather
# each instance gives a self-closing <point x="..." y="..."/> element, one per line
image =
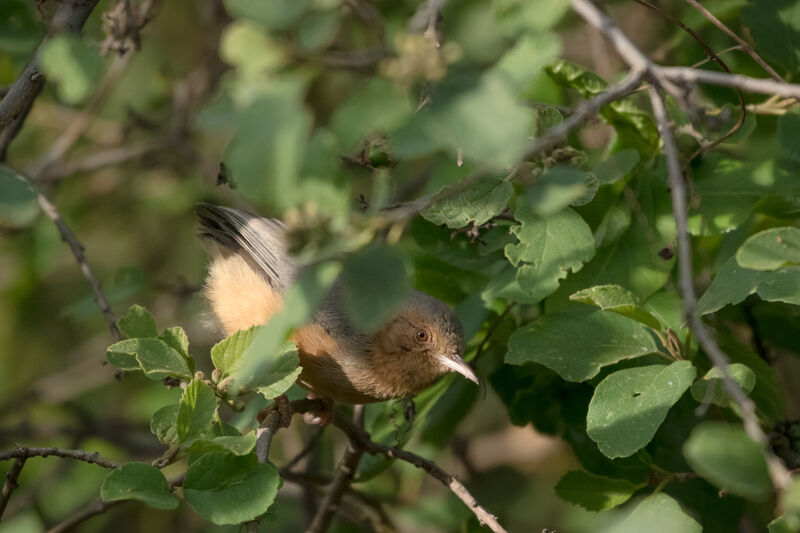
<point x="261" y="239"/>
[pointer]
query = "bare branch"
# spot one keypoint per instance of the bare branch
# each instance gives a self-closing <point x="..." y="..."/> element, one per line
<point x="93" y="509"/>
<point x="744" y="44"/>
<point x="71" y="16"/>
<point x="11" y="483"/>
<point x="78" y="455"/>
<point x="341" y="481"/>
<point x="778" y="472"/>
<point x="77" y="248"/>
<point x="745" y="83"/>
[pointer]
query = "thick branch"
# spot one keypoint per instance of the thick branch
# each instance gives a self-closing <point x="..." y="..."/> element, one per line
<point x="71" y="17"/>
<point x="78" y="455"/>
<point x="11" y="482"/>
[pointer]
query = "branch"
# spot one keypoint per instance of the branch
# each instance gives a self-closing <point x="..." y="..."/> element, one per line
<point x="71" y="16"/>
<point x="358" y="435"/>
<point x="341" y="481"/>
<point x="93" y="509"/>
<point x="77" y="248"/>
<point x="78" y="455"/>
<point x="744" y="44"/>
<point x="745" y="83"/>
<point x="778" y="472"/>
<point x="11" y="483"/>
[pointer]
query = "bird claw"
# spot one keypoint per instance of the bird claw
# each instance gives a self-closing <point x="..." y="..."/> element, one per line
<point x="322" y="417"/>
<point x="282" y="406"/>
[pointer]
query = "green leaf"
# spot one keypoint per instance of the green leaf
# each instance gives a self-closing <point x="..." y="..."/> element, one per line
<point x="483" y="118"/>
<point x="715" y="447"/>
<point x="20" y="31"/>
<point x="786" y="523"/>
<point x="318" y="30"/>
<point x="155" y="357"/>
<point x="380" y="107"/>
<point x="196" y="412"/>
<point x="227" y="489"/>
<point x="577" y="345"/>
<point x="550" y="248"/>
<point x="711" y="388"/>
<point x="733" y="284"/>
<point x="474" y="200"/>
<point x="617" y="166"/>
<point x="555" y="189"/>
<point x="164" y="424"/>
<point x="774" y="27"/>
<point x="770" y="249"/>
<point x="139" y="481"/>
<point x="768" y="392"/>
<point x="176" y="338"/>
<point x="618" y="300"/>
<point x="629" y="405"/>
<point x="523" y="62"/>
<point x="658" y="513"/>
<point x="138" y="322"/>
<point x="726" y="191"/>
<point x="245" y="46"/>
<point x="516" y="16"/>
<point x="594" y="493"/>
<point x="275" y="379"/>
<point x="73" y="64"/>
<point x="237" y="445"/>
<point x="789" y="134"/>
<point x="374" y="285"/>
<point x="18" y="204"/>
<point x="227" y="353"/>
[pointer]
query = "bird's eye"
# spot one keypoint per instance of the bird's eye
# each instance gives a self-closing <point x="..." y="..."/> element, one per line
<point x="421" y="334"/>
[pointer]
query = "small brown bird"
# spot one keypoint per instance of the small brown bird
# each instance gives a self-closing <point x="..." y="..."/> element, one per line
<point x="251" y="270"/>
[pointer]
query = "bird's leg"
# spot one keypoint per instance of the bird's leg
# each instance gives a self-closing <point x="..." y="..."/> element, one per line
<point x="282" y="405"/>
<point x="321" y="417"/>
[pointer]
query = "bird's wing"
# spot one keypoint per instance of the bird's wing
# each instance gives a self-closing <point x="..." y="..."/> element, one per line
<point x="260" y="240"/>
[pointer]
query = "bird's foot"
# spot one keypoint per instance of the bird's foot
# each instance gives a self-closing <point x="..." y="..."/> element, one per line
<point x="282" y="406"/>
<point x="321" y="417"/>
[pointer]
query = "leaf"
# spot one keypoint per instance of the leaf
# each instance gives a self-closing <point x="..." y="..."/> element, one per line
<point x="235" y="444"/>
<point x="786" y="523"/>
<point x="577" y="345"/>
<point x="555" y="189"/>
<point x="593" y="492"/>
<point x="176" y="338"/>
<point x="474" y="200"/>
<point x="139" y="481"/>
<point x="227" y="353"/>
<point x="629" y="405"/>
<point x="196" y="412"/>
<point x="789" y="134"/>
<point x="658" y="513"/>
<point x="163" y="424"/>
<point x="73" y="64"/>
<point x="138" y="322"/>
<point x="733" y="284"/>
<point x="481" y="117"/>
<point x="276" y="378"/>
<point x="768" y="392"/>
<point x="274" y="15"/>
<point x="617" y="300"/>
<point x="374" y="285"/>
<point x="770" y="249"/>
<point x="525" y="15"/>
<point x="227" y="489"/>
<point x="711" y="388"/>
<point x="714" y="447"/>
<point x="18" y="203"/>
<point x="550" y="248"/>
<point x="774" y="27"/>
<point x="617" y="166"/>
<point x="380" y="107"/>
<point x="523" y="62"/>
<point x="155" y="357"/>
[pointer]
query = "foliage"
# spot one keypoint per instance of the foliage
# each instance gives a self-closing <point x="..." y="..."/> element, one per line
<point x="395" y="144"/>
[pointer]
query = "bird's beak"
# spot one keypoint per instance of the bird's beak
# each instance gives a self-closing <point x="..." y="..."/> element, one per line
<point x="455" y="363"/>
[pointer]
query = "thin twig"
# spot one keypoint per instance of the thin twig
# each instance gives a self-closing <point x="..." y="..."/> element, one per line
<point x="359" y="435"/>
<point x="104" y="158"/>
<point x="341" y="480"/>
<point x="11" y="482"/>
<point x="77" y="248"/>
<point x="78" y="455"/>
<point x="778" y="472"/>
<point x="746" y="83"/>
<point x="744" y="44"/>
<point x="95" y="508"/>
<point x="485" y="342"/>
<point x="312" y="442"/>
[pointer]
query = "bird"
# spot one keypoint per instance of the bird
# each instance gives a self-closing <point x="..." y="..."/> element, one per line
<point x="250" y="271"/>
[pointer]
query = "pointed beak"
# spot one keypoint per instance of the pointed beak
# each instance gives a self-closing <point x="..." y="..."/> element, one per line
<point x="456" y="364"/>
